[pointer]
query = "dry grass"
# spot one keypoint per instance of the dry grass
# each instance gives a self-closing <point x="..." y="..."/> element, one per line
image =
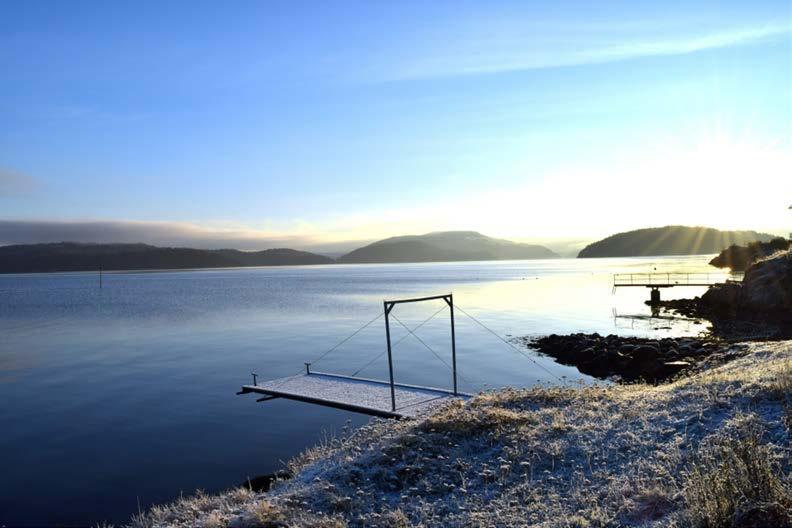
<point x="781" y="386"/>
<point x="239" y="508"/>
<point x="735" y="481"/>
<point x="672" y="455"/>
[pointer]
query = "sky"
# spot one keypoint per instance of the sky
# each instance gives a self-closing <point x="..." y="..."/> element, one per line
<point x="319" y="125"/>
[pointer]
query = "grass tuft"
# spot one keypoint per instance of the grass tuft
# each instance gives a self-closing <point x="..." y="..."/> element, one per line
<point x="735" y="481"/>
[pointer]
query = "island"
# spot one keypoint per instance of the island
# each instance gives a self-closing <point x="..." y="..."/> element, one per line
<point x="670" y="240"/>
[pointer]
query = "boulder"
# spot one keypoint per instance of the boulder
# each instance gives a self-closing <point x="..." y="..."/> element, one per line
<point x="646" y="353"/>
<point x="767" y="287"/>
<point x="766" y="291"/>
<point x="723" y="299"/>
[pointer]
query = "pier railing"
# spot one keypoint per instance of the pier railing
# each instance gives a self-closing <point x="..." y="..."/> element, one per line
<point x="667" y="280"/>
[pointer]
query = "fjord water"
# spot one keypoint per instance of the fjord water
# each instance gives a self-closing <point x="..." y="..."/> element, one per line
<point x="122" y="397"/>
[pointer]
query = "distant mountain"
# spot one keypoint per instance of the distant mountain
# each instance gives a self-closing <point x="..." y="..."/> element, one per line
<point x="445" y="246"/>
<point x="670" y="240"/>
<point x="71" y="256"/>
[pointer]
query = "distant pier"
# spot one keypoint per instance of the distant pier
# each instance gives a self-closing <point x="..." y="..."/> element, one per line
<point x="656" y="281"/>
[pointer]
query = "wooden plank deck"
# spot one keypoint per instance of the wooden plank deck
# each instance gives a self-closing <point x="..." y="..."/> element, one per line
<point x="362" y="395"/>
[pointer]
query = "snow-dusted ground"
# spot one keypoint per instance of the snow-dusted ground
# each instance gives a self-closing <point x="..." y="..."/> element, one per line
<point x="703" y="448"/>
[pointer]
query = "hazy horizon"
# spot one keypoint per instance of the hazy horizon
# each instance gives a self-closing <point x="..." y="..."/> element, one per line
<point x="122" y="233"/>
<point x="324" y="127"/>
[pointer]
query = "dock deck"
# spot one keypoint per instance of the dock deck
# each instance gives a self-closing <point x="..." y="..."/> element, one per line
<point x="362" y="395"/>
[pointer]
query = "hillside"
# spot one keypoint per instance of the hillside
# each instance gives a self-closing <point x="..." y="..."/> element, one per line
<point x="71" y="256"/>
<point x="445" y="246"/>
<point x="670" y="240"/>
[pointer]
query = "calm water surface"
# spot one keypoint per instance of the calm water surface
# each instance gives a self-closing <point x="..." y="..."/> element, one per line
<point x="126" y="395"/>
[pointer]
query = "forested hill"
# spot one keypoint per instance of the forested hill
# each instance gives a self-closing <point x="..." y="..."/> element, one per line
<point x="445" y="246"/>
<point x="70" y="256"/>
<point x="670" y="240"/>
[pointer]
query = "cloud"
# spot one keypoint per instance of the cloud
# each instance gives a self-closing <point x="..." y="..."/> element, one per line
<point x="13" y="183"/>
<point x="519" y="53"/>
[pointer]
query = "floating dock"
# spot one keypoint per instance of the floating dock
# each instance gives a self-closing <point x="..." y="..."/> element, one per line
<point x="387" y="399"/>
<point x="368" y="396"/>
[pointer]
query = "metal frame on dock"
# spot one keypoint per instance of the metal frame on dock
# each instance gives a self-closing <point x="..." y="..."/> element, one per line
<point x="370" y="396"/>
<point x="389" y="305"/>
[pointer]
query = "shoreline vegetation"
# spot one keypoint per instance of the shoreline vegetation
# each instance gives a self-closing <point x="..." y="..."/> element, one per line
<point x="740" y="258"/>
<point x="705" y="445"/>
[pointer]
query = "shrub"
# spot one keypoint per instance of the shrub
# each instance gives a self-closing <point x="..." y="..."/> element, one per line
<point x="734" y="482"/>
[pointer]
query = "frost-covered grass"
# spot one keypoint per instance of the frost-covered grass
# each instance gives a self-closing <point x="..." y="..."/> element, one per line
<point x="240" y="507"/>
<point x="709" y="450"/>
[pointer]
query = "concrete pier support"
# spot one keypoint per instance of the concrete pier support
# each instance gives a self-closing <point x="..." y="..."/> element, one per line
<point x="655" y="296"/>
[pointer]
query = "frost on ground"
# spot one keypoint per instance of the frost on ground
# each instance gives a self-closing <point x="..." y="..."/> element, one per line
<point x="709" y="450"/>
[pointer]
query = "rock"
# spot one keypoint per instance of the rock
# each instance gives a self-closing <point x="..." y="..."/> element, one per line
<point x="264" y="482"/>
<point x="632" y="358"/>
<point x="767" y="286"/>
<point x="723" y="299"/>
<point x="764" y="294"/>
<point x="646" y="352"/>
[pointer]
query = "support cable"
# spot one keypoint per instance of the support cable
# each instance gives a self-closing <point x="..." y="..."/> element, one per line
<point x="430" y="349"/>
<point x="364" y="367"/>
<point x="326" y="352"/>
<point x="356" y="332"/>
<point x="519" y="351"/>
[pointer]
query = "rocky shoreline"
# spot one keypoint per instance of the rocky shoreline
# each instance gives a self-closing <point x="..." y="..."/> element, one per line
<point x="633" y="359"/>
<point x="757" y="308"/>
<point x="725" y="326"/>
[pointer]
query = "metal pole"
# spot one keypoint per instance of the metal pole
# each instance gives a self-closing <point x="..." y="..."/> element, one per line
<point x="390" y="356"/>
<point x="450" y="302"/>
